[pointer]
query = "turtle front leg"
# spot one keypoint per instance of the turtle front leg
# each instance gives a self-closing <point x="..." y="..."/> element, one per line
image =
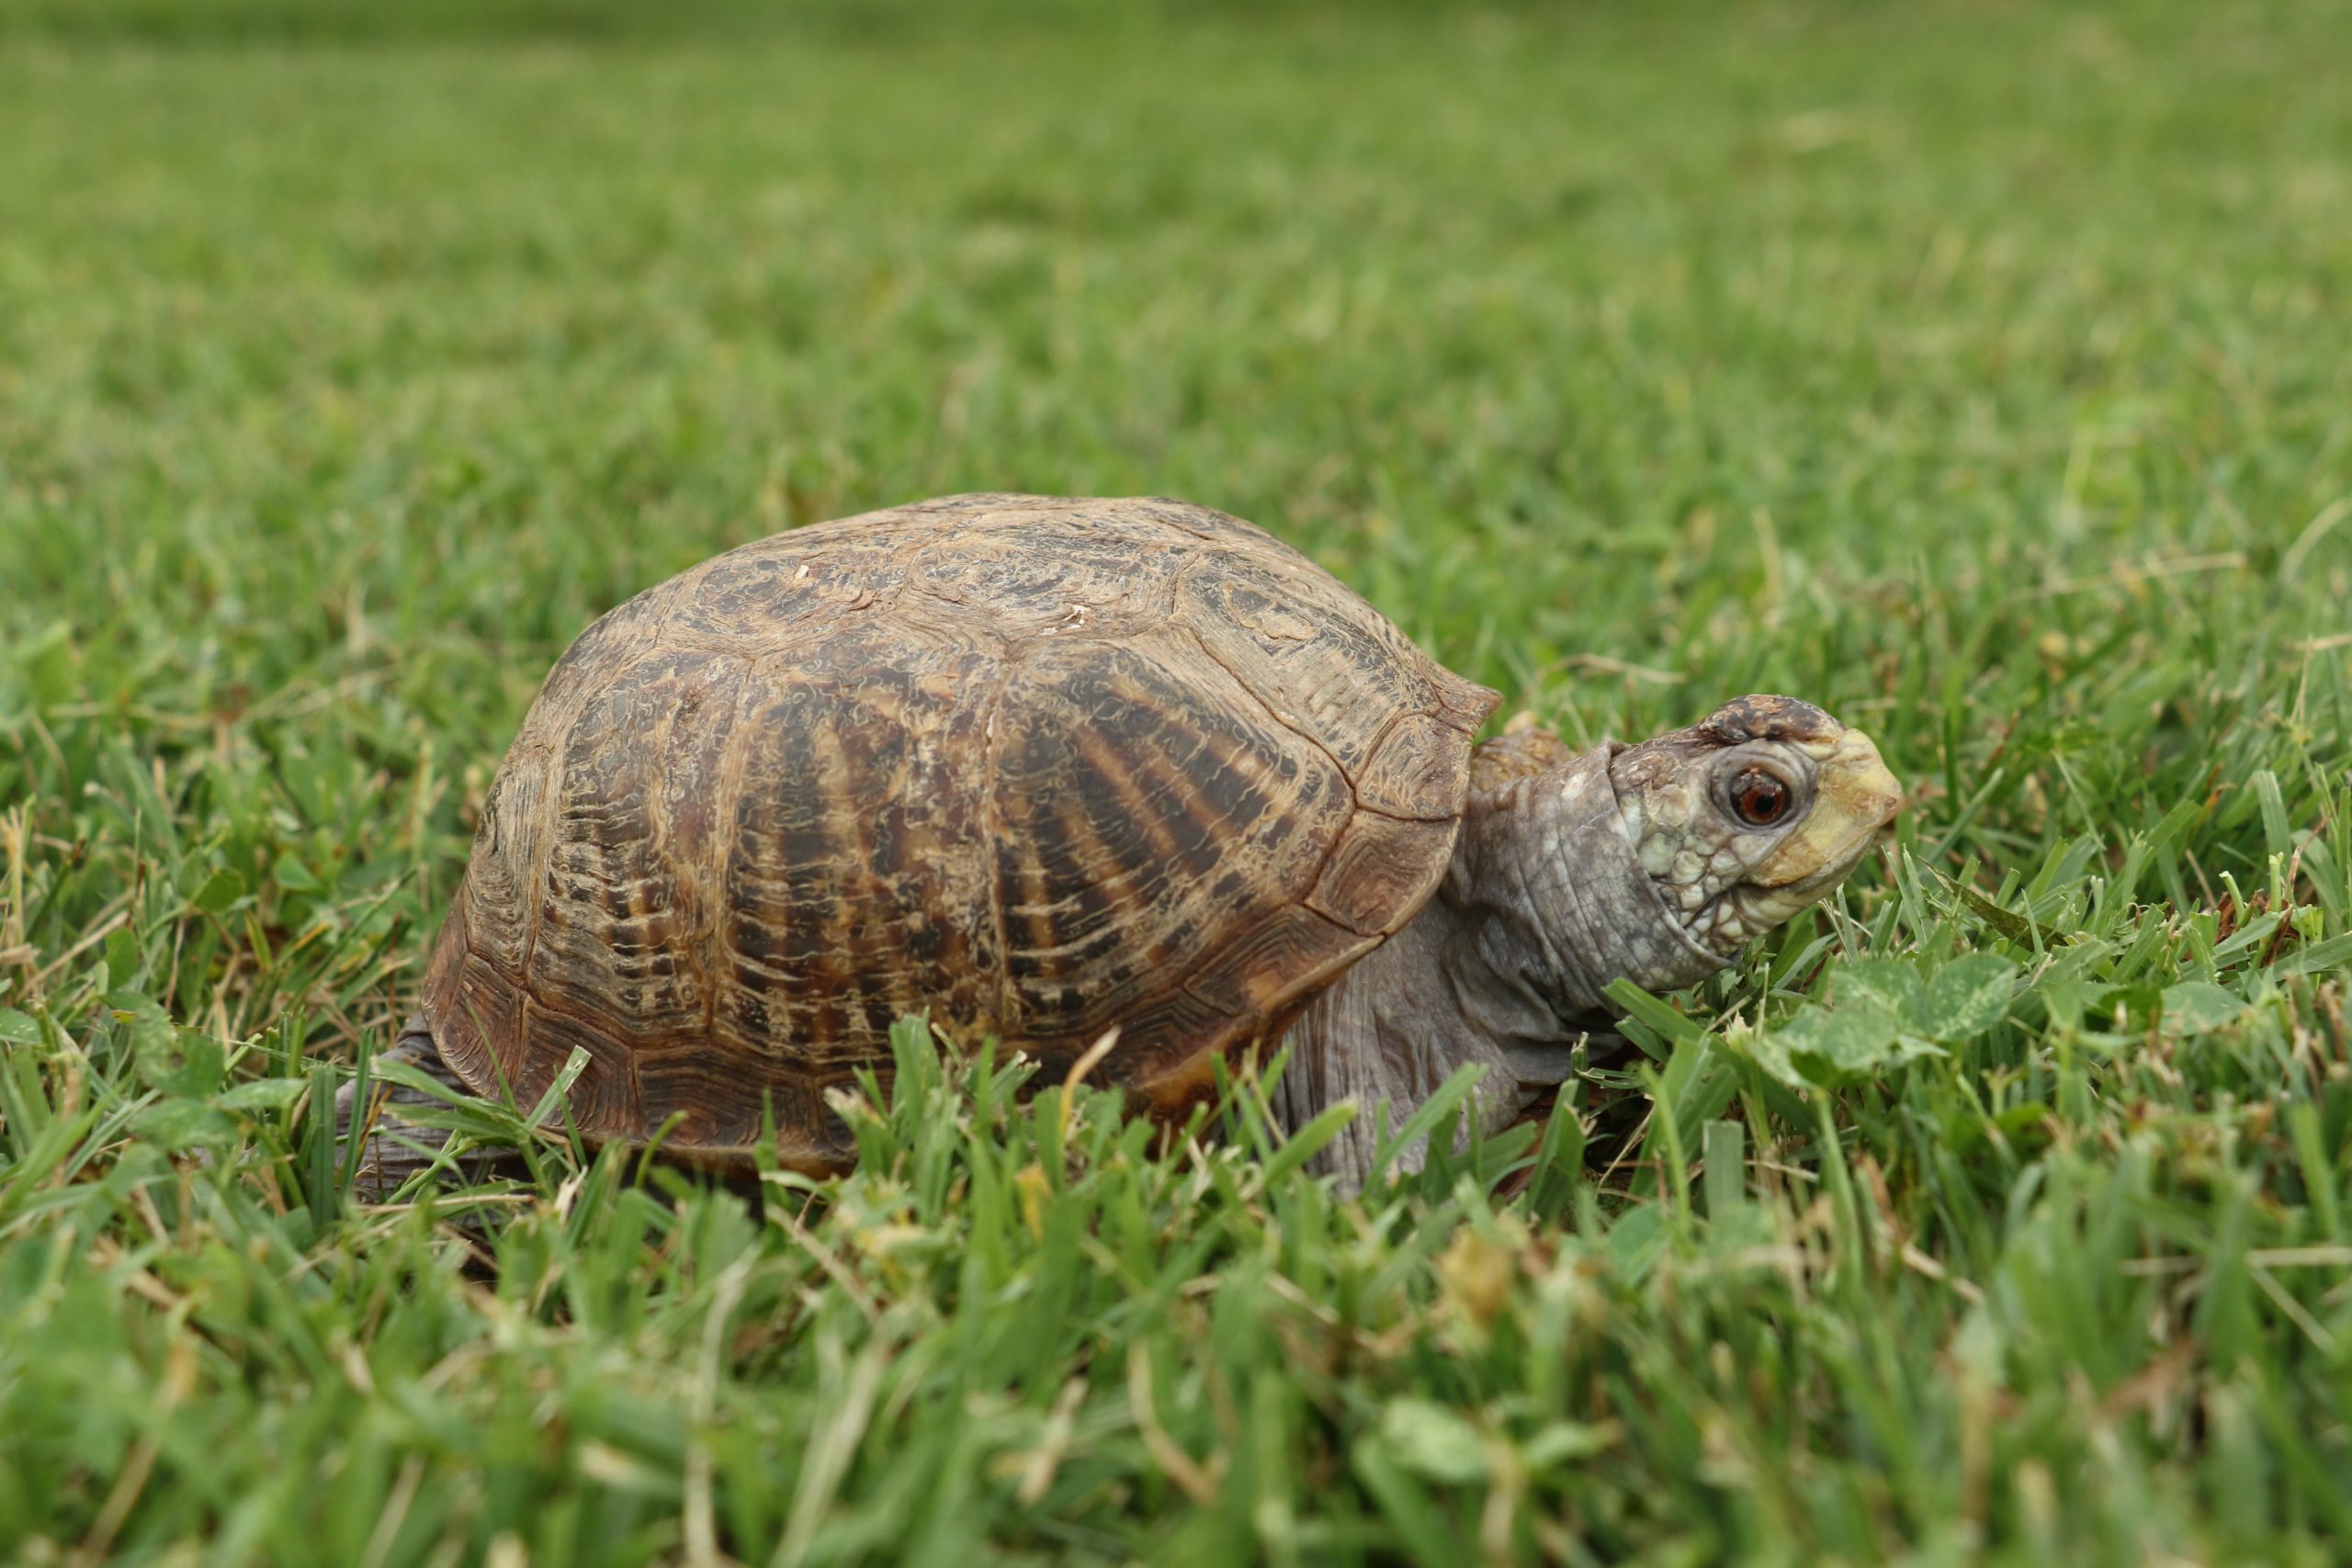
<point x="395" y="1148"/>
<point x="1389" y="1033"/>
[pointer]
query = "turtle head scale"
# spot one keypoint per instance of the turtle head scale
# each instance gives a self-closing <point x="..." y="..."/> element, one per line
<point x="1751" y="815"/>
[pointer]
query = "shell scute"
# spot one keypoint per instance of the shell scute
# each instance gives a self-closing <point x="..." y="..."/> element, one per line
<point x="476" y="1012"/>
<point x="605" y="1093"/>
<point x="620" y="930"/>
<point x="1042" y="766"/>
<point x="1134" y="801"/>
<point x="502" y="881"/>
<point x="1411" y="773"/>
<point x="853" y="867"/>
<point x="1381" y="869"/>
<point x="1285" y="632"/>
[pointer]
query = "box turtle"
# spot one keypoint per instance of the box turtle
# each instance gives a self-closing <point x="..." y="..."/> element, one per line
<point x="1049" y="768"/>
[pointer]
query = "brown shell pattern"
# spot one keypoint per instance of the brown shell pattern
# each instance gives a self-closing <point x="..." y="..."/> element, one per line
<point x="1041" y="766"/>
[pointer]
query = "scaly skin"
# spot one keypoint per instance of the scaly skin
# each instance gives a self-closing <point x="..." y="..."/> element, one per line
<point x="1623" y="863"/>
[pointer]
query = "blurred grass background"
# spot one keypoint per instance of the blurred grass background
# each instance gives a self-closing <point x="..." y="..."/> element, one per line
<point x="1976" y="370"/>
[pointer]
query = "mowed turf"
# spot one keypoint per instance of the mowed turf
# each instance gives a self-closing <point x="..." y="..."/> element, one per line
<point x="1980" y="373"/>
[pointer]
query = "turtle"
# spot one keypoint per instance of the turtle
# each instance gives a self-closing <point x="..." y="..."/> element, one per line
<point x="1122" y="776"/>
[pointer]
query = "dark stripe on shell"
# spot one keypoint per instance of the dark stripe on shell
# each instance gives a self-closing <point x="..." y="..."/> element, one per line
<point x="764" y="807"/>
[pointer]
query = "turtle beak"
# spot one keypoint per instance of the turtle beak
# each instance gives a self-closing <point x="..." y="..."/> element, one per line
<point x="1856" y="782"/>
<point x="1854" y="796"/>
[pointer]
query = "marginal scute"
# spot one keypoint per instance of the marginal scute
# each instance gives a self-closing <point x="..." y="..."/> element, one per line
<point x="1270" y="960"/>
<point x="1381" y="870"/>
<point x="1464" y="705"/>
<point x="1413" y="772"/>
<point x="476" y="1013"/>
<point x="707" y="1106"/>
<point x="603" y="1095"/>
<point x="1042" y="766"/>
<point x="1157" y="1059"/>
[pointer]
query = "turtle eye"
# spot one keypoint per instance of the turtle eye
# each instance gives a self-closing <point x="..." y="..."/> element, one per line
<point x="1759" y="797"/>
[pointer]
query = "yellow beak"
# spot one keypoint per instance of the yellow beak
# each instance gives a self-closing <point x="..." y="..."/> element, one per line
<point x="1855" y="795"/>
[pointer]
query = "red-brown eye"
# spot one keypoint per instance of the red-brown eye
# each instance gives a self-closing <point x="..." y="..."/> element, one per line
<point x="1759" y="798"/>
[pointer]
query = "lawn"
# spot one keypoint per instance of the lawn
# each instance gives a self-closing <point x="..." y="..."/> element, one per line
<point x="1983" y="373"/>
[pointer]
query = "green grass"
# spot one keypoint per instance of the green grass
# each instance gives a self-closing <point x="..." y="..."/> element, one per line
<point x="1980" y="373"/>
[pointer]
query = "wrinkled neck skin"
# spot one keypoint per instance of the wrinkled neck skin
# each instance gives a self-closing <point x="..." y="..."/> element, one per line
<point x="1545" y="905"/>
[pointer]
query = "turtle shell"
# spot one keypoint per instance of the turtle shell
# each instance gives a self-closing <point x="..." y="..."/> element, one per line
<point x="1043" y="767"/>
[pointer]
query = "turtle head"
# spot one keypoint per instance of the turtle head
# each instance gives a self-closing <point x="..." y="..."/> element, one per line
<point x="1756" y="813"/>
